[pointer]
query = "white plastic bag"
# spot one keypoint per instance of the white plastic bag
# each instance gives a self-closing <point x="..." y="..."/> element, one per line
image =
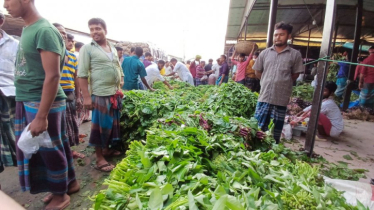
<point x="354" y="191"/>
<point x="30" y="145"/>
<point x="287" y="132"/>
<point x="205" y="77"/>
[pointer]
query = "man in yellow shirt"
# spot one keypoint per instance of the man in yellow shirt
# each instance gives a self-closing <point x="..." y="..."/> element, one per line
<point x="251" y="81"/>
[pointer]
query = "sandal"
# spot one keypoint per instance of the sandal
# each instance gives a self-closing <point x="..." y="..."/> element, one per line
<point x="62" y="206"/>
<point x="113" y="153"/>
<point x="78" y="155"/>
<point x="101" y="168"/>
<point x="81" y="140"/>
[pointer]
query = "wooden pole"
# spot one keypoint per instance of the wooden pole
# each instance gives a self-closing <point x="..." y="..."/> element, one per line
<point x="321" y="75"/>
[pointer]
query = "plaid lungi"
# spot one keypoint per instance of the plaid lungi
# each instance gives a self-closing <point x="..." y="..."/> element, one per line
<point x="82" y="113"/>
<point x="367" y="95"/>
<point x="50" y="169"/>
<point x="72" y="129"/>
<point x="105" y="127"/>
<point x="199" y="82"/>
<point x="7" y="138"/>
<point x="265" y="112"/>
<point x="253" y="84"/>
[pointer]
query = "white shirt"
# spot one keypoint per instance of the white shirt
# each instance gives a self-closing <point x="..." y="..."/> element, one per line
<point x="8" y="53"/>
<point x="332" y="112"/>
<point x="76" y="54"/>
<point x="183" y="73"/>
<point x="216" y="68"/>
<point x="153" y="74"/>
<point x="168" y="70"/>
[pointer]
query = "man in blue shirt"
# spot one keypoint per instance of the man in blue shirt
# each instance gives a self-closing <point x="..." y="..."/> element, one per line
<point x="343" y="72"/>
<point x="132" y="69"/>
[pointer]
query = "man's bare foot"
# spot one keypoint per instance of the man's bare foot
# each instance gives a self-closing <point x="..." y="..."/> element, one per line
<point x="320" y="138"/>
<point x="111" y="153"/>
<point x="104" y="166"/>
<point x="58" y="202"/>
<point x="73" y="187"/>
<point x="77" y="155"/>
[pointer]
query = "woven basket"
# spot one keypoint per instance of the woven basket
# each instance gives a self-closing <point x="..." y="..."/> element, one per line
<point x="245" y="47"/>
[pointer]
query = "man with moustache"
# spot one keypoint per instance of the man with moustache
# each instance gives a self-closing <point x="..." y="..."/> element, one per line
<point x="277" y="68"/>
<point x="99" y="59"/>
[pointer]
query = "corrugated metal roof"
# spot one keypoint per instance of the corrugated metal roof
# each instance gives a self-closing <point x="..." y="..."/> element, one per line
<point x="296" y="12"/>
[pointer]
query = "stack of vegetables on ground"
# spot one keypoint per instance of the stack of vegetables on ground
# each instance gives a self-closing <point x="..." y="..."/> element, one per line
<point x="189" y="149"/>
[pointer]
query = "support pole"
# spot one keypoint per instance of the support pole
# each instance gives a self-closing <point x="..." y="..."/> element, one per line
<point x="321" y="75"/>
<point x="246" y="27"/>
<point x="356" y="45"/>
<point x="307" y="53"/>
<point x="272" y="19"/>
<point x="335" y="36"/>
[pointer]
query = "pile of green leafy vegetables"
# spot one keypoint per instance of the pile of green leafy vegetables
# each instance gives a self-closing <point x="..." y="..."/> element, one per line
<point x="304" y="91"/>
<point x="189" y="149"/>
<point x="189" y="168"/>
<point x="142" y="108"/>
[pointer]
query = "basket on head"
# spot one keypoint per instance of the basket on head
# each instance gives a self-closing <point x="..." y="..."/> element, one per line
<point x="245" y="47"/>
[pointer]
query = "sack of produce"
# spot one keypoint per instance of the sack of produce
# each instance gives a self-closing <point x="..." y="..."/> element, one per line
<point x="245" y="47"/>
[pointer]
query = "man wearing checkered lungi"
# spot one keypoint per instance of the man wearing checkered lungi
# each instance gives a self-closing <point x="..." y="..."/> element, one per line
<point x="276" y="67"/>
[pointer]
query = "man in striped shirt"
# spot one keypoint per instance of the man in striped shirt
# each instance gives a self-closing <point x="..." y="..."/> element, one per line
<point x="69" y="84"/>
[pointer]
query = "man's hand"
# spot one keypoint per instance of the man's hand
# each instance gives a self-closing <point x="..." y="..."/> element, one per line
<point x="87" y="103"/>
<point x="152" y="90"/>
<point x="171" y="88"/>
<point x="38" y="126"/>
<point x="360" y="85"/>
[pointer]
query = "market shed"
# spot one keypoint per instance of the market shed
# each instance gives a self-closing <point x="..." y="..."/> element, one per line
<point x="321" y="23"/>
<point x="248" y="19"/>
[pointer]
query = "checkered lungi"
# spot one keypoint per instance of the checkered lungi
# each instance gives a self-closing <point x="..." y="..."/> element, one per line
<point x="265" y="112"/>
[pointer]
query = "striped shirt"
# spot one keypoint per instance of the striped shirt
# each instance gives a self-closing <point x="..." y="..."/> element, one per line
<point x="68" y="73"/>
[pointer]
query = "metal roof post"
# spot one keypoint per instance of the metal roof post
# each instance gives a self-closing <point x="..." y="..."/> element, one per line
<point x="355" y="50"/>
<point x="321" y="74"/>
<point x="272" y="20"/>
<point x="246" y="28"/>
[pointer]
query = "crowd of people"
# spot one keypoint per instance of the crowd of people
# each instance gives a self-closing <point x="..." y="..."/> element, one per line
<point x="50" y="88"/>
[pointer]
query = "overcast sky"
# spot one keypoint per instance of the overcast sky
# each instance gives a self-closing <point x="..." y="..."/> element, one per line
<point x="180" y="27"/>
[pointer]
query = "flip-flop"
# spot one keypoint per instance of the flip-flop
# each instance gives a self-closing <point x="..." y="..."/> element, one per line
<point x="62" y="206"/>
<point x="82" y="135"/>
<point x="81" y="140"/>
<point x="100" y="168"/>
<point x="78" y="155"/>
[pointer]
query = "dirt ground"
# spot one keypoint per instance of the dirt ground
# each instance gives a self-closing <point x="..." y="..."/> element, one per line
<point x="358" y="137"/>
<point x="89" y="179"/>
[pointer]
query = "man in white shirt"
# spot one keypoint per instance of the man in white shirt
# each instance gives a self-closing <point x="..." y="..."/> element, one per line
<point x="168" y="69"/>
<point x="153" y="74"/>
<point x="214" y="73"/>
<point x="8" y="52"/>
<point x="330" y="122"/>
<point x="182" y="71"/>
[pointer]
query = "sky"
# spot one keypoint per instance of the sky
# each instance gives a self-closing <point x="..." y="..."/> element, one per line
<point x="182" y="28"/>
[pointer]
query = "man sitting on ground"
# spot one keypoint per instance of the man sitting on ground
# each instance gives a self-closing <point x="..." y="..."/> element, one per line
<point x="330" y="121"/>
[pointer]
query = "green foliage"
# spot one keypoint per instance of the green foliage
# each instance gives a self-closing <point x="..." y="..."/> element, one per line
<point x="304" y="91"/>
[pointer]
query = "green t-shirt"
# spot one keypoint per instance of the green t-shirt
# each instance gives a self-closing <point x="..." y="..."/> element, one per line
<point x="29" y="74"/>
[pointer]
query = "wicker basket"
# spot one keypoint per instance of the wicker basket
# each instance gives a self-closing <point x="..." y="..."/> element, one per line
<point x="245" y="47"/>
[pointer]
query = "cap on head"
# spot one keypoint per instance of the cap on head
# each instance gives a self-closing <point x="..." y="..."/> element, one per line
<point x="198" y="57"/>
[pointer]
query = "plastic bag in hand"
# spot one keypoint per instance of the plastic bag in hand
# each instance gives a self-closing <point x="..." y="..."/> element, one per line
<point x="30" y="145"/>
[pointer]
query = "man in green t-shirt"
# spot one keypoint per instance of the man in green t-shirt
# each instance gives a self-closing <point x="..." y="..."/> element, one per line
<point x="41" y="104"/>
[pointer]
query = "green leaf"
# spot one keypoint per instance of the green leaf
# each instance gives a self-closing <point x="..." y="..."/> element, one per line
<point x="191" y="202"/>
<point x="155" y="199"/>
<point x="138" y="202"/>
<point x="167" y="189"/>
<point x="99" y="199"/>
<point x="220" y="203"/>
